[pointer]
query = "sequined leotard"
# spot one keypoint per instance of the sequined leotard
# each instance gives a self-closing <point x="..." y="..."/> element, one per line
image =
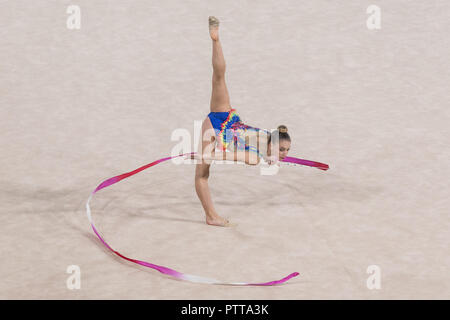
<point x="230" y="129"/>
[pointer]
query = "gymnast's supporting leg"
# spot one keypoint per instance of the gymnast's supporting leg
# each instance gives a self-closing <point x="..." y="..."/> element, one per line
<point x="202" y="175"/>
<point x="220" y="99"/>
<point x="202" y="189"/>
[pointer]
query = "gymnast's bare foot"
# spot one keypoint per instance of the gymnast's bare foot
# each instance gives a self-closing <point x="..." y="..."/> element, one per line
<point x="217" y="220"/>
<point x="213" y="28"/>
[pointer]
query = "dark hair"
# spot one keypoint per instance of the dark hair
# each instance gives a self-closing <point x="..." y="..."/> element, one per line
<point x="281" y="132"/>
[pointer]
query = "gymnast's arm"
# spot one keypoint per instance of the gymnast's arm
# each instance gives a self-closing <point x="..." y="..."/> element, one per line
<point x="240" y="156"/>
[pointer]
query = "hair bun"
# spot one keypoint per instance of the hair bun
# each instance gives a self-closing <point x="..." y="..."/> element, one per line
<point x="282" y="129"/>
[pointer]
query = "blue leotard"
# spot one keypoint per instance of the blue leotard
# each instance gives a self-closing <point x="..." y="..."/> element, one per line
<point x="229" y="128"/>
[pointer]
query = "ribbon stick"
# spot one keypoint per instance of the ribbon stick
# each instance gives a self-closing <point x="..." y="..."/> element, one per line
<point x="171" y="272"/>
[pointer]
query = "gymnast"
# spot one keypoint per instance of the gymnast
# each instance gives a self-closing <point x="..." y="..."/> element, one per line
<point x="223" y="129"/>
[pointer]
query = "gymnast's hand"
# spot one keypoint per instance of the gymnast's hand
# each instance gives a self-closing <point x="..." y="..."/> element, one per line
<point x="193" y="156"/>
<point x="271" y="160"/>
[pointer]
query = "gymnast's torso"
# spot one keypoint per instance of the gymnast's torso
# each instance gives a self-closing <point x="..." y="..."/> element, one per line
<point x="232" y="132"/>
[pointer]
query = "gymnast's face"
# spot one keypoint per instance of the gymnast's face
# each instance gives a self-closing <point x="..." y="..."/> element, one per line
<point x="284" y="146"/>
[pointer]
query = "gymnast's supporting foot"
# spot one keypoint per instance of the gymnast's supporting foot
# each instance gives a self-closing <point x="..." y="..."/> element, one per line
<point x="214" y="28"/>
<point x="216" y="220"/>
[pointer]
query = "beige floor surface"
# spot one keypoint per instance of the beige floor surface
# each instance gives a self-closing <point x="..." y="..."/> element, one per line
<point x="80" y="106"/>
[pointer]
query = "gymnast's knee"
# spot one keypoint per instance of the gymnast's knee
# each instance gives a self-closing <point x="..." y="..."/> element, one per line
<point x="201" y="172"/>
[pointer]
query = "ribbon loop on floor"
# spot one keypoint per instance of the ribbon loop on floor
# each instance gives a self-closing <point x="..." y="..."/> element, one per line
<point x="171" y="272"/>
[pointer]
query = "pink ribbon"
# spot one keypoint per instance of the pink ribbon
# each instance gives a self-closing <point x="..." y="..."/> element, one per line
<point x="171" y="272"/>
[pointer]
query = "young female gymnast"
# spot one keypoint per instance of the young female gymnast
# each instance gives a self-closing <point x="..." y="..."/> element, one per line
<point x="224" y="129"/>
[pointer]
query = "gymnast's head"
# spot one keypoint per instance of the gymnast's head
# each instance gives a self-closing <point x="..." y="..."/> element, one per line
<point x="283" y="144"/>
